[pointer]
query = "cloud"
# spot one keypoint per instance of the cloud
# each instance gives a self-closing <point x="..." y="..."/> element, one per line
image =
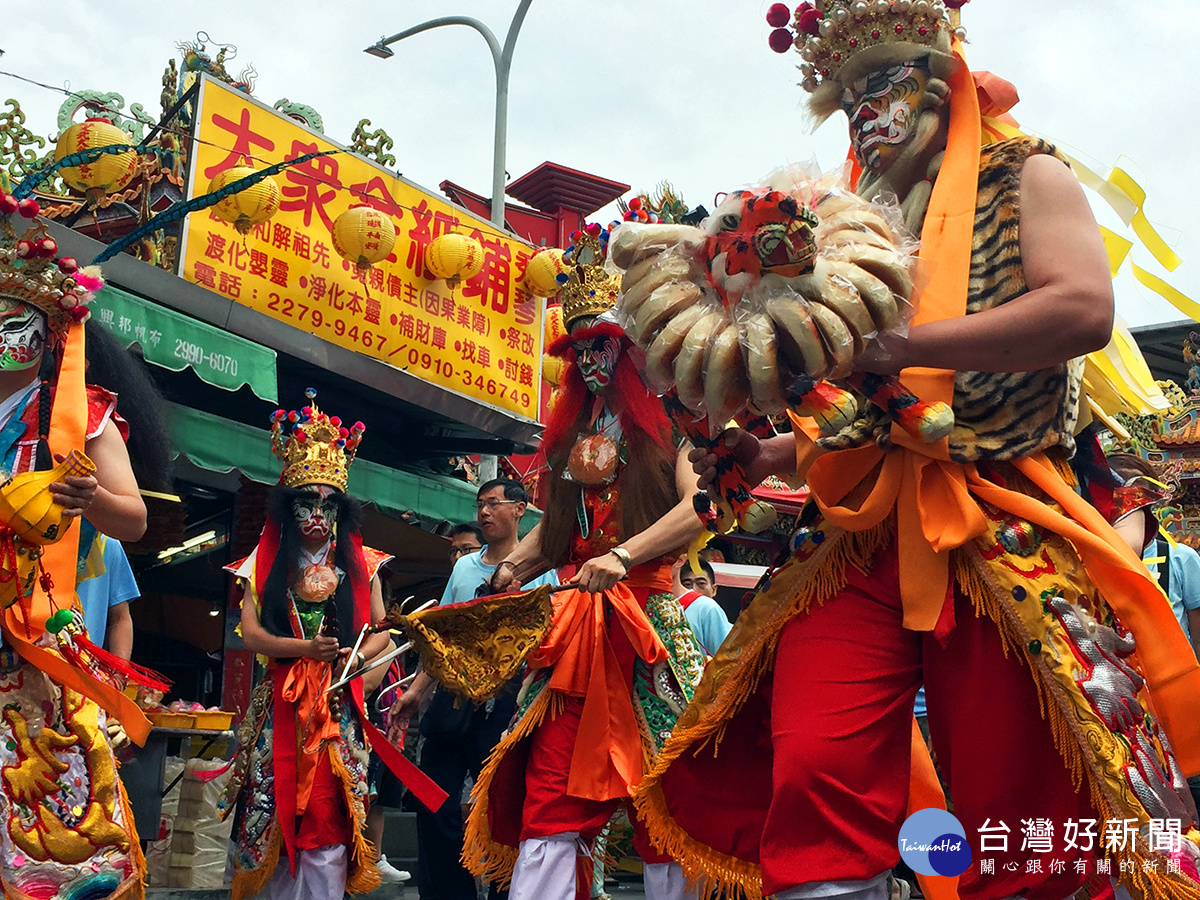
<point x="683" y="90"/>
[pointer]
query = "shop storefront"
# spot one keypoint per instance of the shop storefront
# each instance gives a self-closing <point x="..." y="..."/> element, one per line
<point x="436" y="369"/>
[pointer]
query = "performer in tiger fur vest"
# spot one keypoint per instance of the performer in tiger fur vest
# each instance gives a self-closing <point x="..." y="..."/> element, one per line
<point x="1057" y="679"/>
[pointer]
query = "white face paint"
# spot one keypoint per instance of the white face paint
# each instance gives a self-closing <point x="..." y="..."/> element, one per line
<point x="597" y="362"/>
<point x="22" y="335"/>
<point x="315" y="513"/>
<point x="883" y="109"/>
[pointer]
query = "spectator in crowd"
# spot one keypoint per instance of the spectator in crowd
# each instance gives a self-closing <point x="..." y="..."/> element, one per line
<point x="1176" y="566"/>
<point x="105" y="595"/>
<point x="709" y="622"/>
<point x="459" y="736"/>
<point x="1180" y="576"/>
<point x="464" y="539"/>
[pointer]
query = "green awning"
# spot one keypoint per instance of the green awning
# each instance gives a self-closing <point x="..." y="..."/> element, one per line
<point x="175" y="341"/>
<point x="221" y="445"/>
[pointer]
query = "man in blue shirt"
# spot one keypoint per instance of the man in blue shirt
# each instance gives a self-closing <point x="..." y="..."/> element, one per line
<point x="459" y="737"/>
<point x="709" y="622"/>
<point x="105" y="600"/>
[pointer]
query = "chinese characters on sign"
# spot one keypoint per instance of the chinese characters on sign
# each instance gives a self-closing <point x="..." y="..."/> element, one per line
<point x="481" y="340"/>
<point x="1088" y="849"/>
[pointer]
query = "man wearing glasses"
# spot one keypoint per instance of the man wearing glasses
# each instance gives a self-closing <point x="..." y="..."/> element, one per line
<point x="459" y="737"/>
<point x="465" y="538"/>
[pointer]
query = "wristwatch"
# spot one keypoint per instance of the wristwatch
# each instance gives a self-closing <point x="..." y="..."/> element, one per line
<point x="623" y="556"/>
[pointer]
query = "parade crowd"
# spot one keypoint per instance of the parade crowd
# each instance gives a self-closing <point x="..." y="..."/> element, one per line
<point x="975" y="612"/>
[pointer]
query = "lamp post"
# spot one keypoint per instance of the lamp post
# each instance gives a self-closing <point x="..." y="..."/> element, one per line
<point x="502" y="59"/>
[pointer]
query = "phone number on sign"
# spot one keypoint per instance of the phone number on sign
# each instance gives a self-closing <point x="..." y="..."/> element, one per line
<point x="195" y="355"/>
<point x="315" y="318"/>
<point x="402" y="355"/>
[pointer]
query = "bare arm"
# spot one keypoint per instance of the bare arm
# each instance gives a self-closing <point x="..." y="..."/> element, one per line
<point x="678" y="528"/>
<point x="110" y="498"/>
<point x="1193" y="617"/>
<point x="527" y="559"/>
<point x="258" y="640"/>
<point x="1067" y="311"/>
<point x="118" y="633"/>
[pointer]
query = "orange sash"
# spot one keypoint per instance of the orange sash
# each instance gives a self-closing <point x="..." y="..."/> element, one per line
<point x="304" y="684"/>
<point x="68" y="431"/>
<point x="607" y="759"/>
<point x="934" y="498"/>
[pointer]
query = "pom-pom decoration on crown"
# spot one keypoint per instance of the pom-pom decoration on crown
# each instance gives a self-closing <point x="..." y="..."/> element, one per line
<point x="315" y="448"/>
<point x="588" y="289"/>
<point x="845" y="39"/>
<point x="30" y="272"/>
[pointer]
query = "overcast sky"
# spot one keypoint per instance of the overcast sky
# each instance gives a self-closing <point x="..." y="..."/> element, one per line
<point x="644" y="90"/>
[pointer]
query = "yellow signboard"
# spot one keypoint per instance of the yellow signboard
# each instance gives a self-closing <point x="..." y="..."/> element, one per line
<point x="481" y="339"/>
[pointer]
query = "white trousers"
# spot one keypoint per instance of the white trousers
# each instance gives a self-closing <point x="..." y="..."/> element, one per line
<point x="874" y="889"/>
<point x="545" y="870"/>
<point x="320" y="875"/>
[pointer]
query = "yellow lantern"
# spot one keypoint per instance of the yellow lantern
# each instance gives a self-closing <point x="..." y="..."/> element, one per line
<point x="364" y="236"/>
<point x="249" y="206"/>
<point x="104" y="175"/>
<point x="454" y="257"/>
<point x="552" y="324"/>
<point x="541" y="273"/>
<point x="552" y="368"/>
<point x="552" y="329"/>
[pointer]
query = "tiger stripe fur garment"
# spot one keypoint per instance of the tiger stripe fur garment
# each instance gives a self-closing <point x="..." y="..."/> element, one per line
<point x="1004" y="415"/>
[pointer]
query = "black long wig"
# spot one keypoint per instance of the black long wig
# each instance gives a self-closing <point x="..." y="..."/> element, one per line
<point x="284" y="570"/>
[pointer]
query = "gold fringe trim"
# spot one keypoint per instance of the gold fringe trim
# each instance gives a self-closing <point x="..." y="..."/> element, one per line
<point x="985" y="594"/>
<point x="483" y="856"/>
<point x="362" y="874"/>
<point x="745" y="658"/>
<point x="250" y="882"/>
<point x="136" y="890"/>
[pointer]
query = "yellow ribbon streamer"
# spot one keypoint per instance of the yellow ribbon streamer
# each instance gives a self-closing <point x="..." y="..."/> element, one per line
<point x="1174" y="296"/>
<point x="1141" y="225"/>
<point x="1119" y="190"/>
<point x="1117" y="247"/>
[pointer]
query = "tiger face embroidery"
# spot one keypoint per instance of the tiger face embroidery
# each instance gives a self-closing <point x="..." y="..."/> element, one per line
<point x="760" y="234"/>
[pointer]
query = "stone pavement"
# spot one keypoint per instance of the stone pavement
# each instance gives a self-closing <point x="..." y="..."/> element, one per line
<point x="629" y="887"/>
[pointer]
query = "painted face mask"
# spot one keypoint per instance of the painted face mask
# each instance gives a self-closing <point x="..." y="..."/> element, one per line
<point x="22" y="336"/>
<point x="597" y="364"/>
<point x="883" y="111"/>
<point x="316" y="515"/>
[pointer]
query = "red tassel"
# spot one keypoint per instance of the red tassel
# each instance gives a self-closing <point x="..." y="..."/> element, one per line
<point x="108" y="667"/>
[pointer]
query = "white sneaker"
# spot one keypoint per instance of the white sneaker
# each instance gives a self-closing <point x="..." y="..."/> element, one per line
<point x="389" y="874"/>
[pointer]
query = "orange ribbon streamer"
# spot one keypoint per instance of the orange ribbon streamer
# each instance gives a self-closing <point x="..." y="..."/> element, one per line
<point x="304" y="686"/>
<point x="606" y="762"/>
<point x="934" y="498"/>
<point x="68" y="431"/>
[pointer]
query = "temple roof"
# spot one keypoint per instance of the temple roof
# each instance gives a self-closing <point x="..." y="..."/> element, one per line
<point x="551" y="186"/>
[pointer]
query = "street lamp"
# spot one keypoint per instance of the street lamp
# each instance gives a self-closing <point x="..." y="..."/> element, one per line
<point x="502" y="59"/>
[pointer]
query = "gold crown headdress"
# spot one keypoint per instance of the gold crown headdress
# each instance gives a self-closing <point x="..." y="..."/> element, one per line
<point x="840" y="41"/>
<point x="588" y="290"/>
<point x="315" y="448"/>
<point x="30" y="273"/>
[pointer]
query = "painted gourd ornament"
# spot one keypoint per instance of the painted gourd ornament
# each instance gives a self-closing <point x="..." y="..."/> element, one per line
<point x="27" y="507"/>
<point x="593" y="460"/>
<point x="32" y="518"/>
<point x="317" y="584"/>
